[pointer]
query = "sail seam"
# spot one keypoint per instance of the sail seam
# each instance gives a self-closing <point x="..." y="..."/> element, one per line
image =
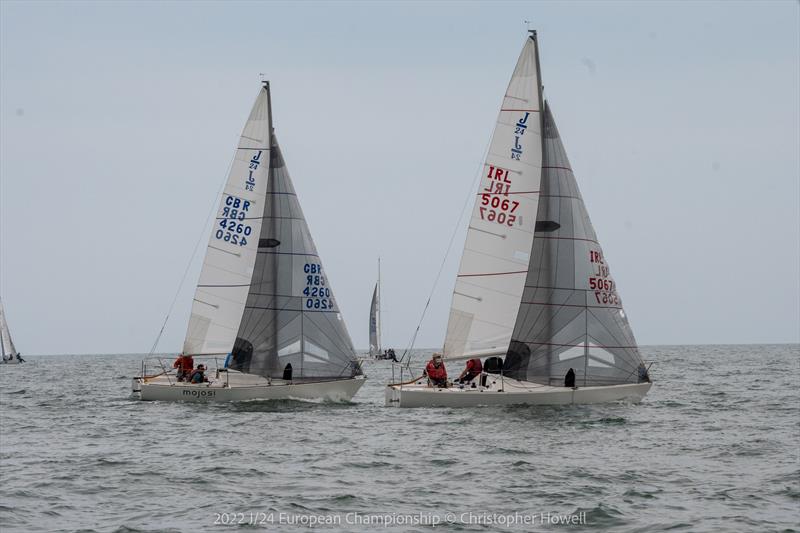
<point x="575" y="305"/>
<point x="569" y="239"/>
<point x="493" y="274"/>
<point x="507" y="193"/>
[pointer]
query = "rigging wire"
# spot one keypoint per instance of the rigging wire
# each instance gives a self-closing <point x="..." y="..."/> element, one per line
<point x="475" y="180"/>
<point x="213" y="210"/>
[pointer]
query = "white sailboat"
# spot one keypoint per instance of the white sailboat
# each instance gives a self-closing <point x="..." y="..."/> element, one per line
<point x="534" y="296"/>
<point x="375" y="350"/>
<point x="10" y="355"/>
<point x="263" y="300"/>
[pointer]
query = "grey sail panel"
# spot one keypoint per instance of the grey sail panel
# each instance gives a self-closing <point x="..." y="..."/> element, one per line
<point x="571" y="314"/>
<point x="291" y="315"/>
<point x="374" y="342"/>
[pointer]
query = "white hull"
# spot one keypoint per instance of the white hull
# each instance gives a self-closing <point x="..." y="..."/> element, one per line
<point x="10" y="362"/>
<point x="505" y="391"/>
<point x="242" y="387"/>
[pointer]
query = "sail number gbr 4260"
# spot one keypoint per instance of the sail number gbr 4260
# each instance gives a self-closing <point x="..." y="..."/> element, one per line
<point x="317" y="295"/>
<point x="230" y="227"/>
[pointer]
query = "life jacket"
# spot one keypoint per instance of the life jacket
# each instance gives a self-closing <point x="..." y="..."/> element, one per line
<point x="436" y="374"/>
<point x="474" y="366"/>
<point x="197" y="377"/>
<point x="184" y="362"/>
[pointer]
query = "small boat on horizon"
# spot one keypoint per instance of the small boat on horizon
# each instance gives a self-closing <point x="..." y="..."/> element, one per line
<point x="534" y="308"/>
<point x="263" y="302"/>
<point x="10" y="355"/>
<point x="375" y="350"/>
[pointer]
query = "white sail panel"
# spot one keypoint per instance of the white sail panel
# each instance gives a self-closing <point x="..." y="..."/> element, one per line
<point x="231" y="254"/>
<point x="494" y="264"/>
<point x="374" y="324"/>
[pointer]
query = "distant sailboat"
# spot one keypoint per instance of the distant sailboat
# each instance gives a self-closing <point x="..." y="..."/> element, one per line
<point x="375" y="350"/>
<point x="9" y="352"/>
<point x="534" y="295"/>
<point x="263" y="298"/>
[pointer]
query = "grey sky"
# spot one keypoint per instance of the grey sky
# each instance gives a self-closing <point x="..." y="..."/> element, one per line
<point x="118" y="121"/>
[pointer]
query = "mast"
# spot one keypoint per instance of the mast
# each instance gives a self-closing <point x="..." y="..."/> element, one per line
<point x="549" y="310"/>
<point x="378" y="310"/>
<point x="273" y="199"/>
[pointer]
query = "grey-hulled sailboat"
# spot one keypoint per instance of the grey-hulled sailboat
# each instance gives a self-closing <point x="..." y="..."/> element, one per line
<point x="264" y="302"/>
<point x="534" y="297"/>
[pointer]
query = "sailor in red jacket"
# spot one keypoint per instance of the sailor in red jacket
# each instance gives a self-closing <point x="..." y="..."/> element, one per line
<point x="473" y="369"/>
<point x="184" y="363"/>
<point x="436" y="372"/>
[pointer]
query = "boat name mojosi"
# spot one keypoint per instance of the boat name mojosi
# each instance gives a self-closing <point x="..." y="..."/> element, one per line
<point x="200" y="393"/>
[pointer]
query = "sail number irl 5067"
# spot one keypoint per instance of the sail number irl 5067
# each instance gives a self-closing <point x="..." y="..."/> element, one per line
<point x="318" y="296"/>
<point x="494" y="208"/>
<point x="600" y="281"/>
<point x="230" y="227"/>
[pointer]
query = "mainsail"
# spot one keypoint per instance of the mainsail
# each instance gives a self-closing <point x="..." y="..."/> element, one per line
<point x="374" y="323"/>
<point x="494" y="263"/>
<point x="571" y="314"/>
<point x="291" y="315"/>
<point x="6" y="344"/>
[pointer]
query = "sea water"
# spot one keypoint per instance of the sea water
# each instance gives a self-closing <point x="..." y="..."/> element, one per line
<point x="712" y="447"/>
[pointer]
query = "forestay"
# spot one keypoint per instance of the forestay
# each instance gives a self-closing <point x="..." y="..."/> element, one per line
<point x="374" y="324"/>
<point x="494" y="263"/>
<point x="571" y="314"/>
<point x="291" y="316"/>
<point x="228" y="266"/>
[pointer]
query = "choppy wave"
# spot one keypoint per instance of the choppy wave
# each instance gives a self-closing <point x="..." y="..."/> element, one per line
<point x="713" y="447"/>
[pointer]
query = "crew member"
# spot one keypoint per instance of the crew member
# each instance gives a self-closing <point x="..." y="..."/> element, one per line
<point x="184" y="363"/>
<point x="472" y="370"/>
<point x="436" y="372"/>
<point x="199" y="376"/>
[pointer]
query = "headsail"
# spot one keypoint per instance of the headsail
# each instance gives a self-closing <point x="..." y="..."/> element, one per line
<point x="374" y="323"/>
<point x="291" y="316"/>
<point x="224" y="283"/>
<point x="571" y="315"/>
<point x="6" y="344"/>
<point x="491" y="276"/>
